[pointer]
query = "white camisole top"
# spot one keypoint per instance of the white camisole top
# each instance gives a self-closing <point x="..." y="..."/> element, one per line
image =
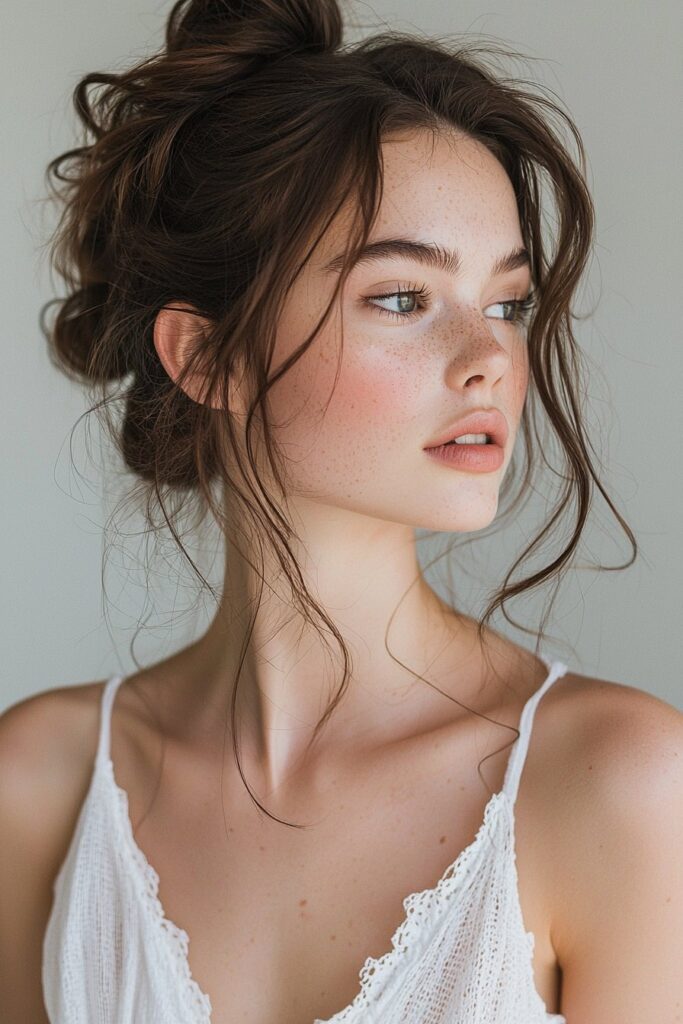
<point x="461" y="955"/>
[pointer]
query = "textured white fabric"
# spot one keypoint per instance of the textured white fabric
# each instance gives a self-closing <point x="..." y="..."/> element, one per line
<point x="460" y="956"/>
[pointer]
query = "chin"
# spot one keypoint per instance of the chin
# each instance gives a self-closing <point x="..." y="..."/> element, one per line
<point x="477" y="516"/>
<point x="472" y="524"/>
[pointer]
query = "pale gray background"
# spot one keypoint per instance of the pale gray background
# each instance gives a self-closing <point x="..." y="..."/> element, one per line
<point x="616" y="67"/>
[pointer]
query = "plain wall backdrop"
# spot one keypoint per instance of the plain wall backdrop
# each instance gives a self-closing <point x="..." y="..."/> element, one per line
<point x="616" y="68"/>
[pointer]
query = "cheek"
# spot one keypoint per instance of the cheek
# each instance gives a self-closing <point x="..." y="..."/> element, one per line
<point x="376" y="397"/>
<point x="343" y="430"/>
<point x="520" y="373"/>
<point x="368" y="393"/>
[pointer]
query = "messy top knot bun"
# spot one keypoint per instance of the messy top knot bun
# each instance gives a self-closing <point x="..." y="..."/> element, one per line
<point x="206" y="175"/>
<point x="126" y="228"/>
<point x="256" y="27"/>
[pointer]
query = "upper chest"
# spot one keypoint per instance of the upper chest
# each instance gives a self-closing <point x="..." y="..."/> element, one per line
<point x="282" y="919"/>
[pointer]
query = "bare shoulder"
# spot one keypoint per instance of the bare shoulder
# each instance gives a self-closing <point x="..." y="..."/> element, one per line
<point x="48" y="745"/>
<point x="49" y="728"/>
<point x="608" y="733"/>
<point x="611" y="759"/>
<point x="47" y="749"/>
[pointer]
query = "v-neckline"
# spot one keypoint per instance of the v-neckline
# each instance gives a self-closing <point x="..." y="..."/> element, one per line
<point x="373" y="968"/>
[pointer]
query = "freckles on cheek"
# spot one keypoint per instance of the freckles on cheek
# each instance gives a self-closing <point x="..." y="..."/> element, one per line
<point x="367" y="398"/>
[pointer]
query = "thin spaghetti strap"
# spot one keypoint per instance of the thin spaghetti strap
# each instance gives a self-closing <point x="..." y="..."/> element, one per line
<point x="556" y="669"/>
<point x="106" y="702"/>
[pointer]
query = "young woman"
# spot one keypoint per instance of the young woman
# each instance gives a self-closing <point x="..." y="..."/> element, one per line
<point x="316" y="282"/>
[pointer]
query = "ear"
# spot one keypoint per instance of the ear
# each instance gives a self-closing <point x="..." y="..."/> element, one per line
<point x="175" y="332"/>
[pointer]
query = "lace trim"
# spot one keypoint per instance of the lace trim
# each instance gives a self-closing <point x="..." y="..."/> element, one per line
<point x="178" y="939"/>
<point x="372" y="978"/>
<point x="374" y="972"/>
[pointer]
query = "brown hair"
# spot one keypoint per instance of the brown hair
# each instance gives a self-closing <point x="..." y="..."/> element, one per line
<point x="206" y="172"/>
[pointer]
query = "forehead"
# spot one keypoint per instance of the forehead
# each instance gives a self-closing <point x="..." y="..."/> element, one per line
<point x="445" y="187"/>
<point x="449" y="176"/>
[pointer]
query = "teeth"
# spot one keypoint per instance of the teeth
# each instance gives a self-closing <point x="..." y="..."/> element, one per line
<point x="471" y="439"/>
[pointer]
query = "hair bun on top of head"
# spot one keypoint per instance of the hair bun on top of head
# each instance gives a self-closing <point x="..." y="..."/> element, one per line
<point x="258" y="27"/>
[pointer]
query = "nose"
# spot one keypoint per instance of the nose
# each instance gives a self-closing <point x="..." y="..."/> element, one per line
<point x="479" y="359"/>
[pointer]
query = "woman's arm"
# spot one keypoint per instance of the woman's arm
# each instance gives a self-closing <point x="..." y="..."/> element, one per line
<point x="619" y="924"/>
<point x="44" y="774"/>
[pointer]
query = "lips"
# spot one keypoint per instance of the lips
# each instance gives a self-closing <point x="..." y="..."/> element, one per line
<point x="483" y="421"/>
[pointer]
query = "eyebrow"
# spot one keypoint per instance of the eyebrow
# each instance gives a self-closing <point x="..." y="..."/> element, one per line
<point x="429" y="254"/>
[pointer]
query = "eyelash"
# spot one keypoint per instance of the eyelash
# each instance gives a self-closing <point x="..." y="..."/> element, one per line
<point x="522" y="308"/>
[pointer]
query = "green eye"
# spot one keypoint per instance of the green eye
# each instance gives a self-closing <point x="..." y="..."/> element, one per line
<point x="410" y="294"/>
<point x="516" y="310"/>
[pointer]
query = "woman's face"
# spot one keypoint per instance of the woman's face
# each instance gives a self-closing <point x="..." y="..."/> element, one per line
<point x="411" y="365"/>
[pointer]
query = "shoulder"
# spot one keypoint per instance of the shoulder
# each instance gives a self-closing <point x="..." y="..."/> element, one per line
<point x="48" y="745"/>
<point x="611" y="738"/>
<point x="53" y="724"/>
<point x="47" y="749"/>
<point x="613" y="800"/>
